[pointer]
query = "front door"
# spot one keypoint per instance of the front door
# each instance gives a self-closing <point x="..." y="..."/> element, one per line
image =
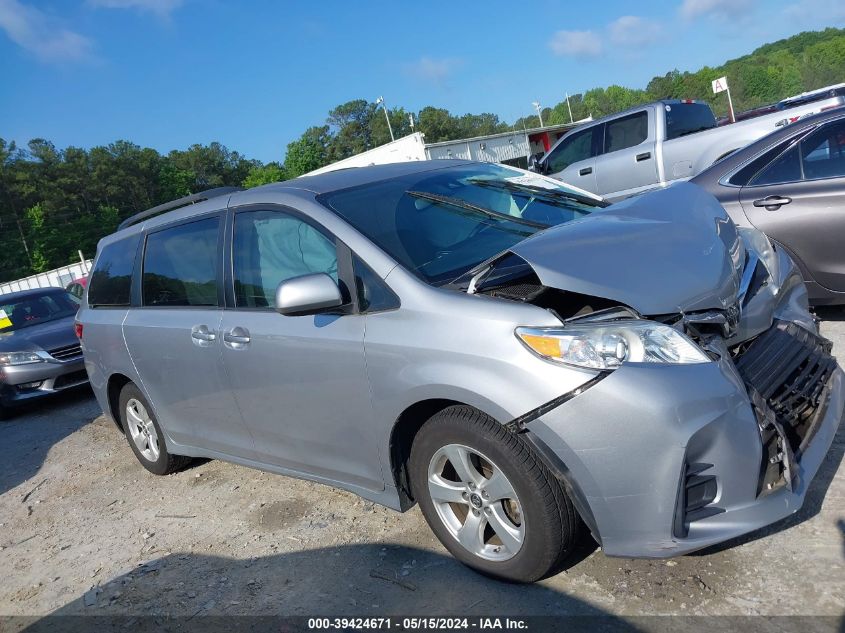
<point x="627" y="164"/>
<point x="299" y="381"/>
<point x="174" y="338"/>
<point x="798" y="200"/>
<point x="573" y="159"/>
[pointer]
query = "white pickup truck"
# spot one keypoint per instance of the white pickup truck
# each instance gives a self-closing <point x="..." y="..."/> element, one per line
<point x="653" y="144"/>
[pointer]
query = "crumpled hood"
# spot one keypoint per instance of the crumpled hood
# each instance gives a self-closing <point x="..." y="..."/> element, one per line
<point x="667" y="251"/>
<point x="45" y="336"/>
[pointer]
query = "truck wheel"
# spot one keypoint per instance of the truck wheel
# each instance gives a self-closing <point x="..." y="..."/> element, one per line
<point x="144" y="434"/>
<point x="488" y="498"/>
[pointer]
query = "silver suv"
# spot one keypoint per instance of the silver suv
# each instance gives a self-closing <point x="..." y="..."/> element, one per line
<point x="488" y="343"/>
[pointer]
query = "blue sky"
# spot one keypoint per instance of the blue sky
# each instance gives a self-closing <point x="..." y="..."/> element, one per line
<point x="253" y="75"/>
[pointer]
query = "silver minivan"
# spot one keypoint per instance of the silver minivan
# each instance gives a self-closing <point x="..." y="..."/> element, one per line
<point x="515" y="356"/>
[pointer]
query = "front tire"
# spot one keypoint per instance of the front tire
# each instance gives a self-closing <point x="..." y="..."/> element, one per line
<point x="489" y="499"/>
<point x="145" y="435"/>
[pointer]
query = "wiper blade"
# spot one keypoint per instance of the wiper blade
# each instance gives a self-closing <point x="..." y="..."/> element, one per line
<point x="554" y="194"/>
<point x="469" y="206"/>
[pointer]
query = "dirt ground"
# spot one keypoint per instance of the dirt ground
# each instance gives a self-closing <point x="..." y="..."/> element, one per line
<point x="85" y="530"/>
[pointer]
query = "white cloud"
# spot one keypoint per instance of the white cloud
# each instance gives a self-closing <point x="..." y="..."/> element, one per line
<point x="38" y="33"/>
<point x="816" y="13"/>
<point x="576" y="44"/>
<point x="724" y="9"/>
<point x="161" y="8"/>
<point x="632" y="30"/>
<point x="433" y="69"/>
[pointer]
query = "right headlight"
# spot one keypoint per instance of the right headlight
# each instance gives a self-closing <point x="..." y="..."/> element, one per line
<point x="19" y="358"/>
<point x="608" y="345"/>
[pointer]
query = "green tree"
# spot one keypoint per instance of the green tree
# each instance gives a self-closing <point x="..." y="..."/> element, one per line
<point x="264" y="175"/>
<point x="309" y="152"/>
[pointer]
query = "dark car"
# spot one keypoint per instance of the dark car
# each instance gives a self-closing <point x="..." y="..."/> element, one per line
<point x="791" y="185"/>
<point x="39" y="351"/>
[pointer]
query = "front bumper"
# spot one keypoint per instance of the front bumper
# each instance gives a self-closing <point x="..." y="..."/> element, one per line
<point x="52" y="377"/>
<point x="627" y="444"/>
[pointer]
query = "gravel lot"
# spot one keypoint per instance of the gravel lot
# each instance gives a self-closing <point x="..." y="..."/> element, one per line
<point x="85" y="530"/>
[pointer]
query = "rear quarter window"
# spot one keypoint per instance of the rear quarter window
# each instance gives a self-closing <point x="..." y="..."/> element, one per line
<point x="111" y="281"/>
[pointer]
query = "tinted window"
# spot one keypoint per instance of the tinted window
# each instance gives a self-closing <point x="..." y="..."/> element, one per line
<point x="823" y="152"/>
<point x="180" y="265"/>
<point x="577" y="147"/>
<point x="687" y="118"/>
<point x="744" y="175"/>
<point x="626" y="132"/>
<point x="35" y="309"/>
<point x="373" y="293"/>
<point x="270" y="247"/>
<point x="785" y="168"/>
<point x="436" y="237"/>
<point x="111" y="281"/>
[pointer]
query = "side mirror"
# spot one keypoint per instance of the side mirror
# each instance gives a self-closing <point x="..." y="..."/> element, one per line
<point x="308" y="294"/>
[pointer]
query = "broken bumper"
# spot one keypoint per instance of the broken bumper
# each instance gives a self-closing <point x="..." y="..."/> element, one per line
<point x="631" y="447"/>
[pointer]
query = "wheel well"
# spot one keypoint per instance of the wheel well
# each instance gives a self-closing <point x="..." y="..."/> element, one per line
<point x="402" y="438"/>
<point x="116" y="384"/>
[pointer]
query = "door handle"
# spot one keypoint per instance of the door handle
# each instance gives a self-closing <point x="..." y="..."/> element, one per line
<point x="643" y="156"/>
<point x="772" y="203"/>
<point x="585" y="171"/>
<point x="202" y="334"/>
<point x="236" y="337"/>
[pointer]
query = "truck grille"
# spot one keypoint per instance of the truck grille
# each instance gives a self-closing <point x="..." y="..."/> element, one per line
<point x="786" y="371"/>
<point x="68" y="352"/>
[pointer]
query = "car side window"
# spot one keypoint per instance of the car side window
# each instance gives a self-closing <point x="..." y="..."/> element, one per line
<point x="111" y="279"/>
<point x="272" y="246"/>
<point x="373" y="293"/>
<point x="785" y="168"/>
<point x="823" y="152"/>
<point x="626" y="132"/>
<point x="576" y="148"/>
<point x="180" y="265"/>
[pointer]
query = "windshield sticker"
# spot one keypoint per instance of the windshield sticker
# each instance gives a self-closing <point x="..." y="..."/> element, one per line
<point x="5" y="321"/>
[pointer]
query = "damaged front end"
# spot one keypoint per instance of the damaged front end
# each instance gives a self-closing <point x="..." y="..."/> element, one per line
<point x="730" y="291"/>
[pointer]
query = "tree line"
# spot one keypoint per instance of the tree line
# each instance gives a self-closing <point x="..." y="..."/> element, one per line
<point x="54" y="202"/>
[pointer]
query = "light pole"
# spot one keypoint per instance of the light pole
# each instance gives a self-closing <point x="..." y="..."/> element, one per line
<point x="380" y="101"/>
<point x="536" y="105"/>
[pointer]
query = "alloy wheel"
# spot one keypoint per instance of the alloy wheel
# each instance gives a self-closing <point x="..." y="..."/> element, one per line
<point x="476" y="502"/>
<point x="142" y="430"/>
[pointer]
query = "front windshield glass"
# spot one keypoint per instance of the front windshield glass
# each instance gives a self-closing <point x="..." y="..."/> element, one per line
<point x="440" y="224"/>
<point x="35" y="309"/>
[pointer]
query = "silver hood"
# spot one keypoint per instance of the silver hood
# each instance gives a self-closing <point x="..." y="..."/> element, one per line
<point x="667" y="251"/>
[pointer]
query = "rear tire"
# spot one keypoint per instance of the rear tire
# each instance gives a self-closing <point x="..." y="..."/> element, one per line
<point x="144" y="434"/>
<point x="489" y="499"/>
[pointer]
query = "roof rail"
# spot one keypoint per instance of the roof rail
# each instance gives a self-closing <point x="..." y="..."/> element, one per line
<point x="175" y="204"/>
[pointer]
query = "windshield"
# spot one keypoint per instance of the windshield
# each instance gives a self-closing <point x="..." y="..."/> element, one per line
<point x="439" y="224"/>
<point x="35" y="309"/>
<point x="687" y="118"/>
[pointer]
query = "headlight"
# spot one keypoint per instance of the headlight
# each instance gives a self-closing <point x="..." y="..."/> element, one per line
<point x="608" y="345"/>
<point x="19" y="358"/>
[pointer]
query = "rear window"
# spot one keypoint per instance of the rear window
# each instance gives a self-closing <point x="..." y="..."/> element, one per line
<point x="111" y="281"/>
<point x="687" y="118"/>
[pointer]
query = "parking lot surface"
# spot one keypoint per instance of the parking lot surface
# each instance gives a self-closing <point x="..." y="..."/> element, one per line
<point x="85" y="530"/>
